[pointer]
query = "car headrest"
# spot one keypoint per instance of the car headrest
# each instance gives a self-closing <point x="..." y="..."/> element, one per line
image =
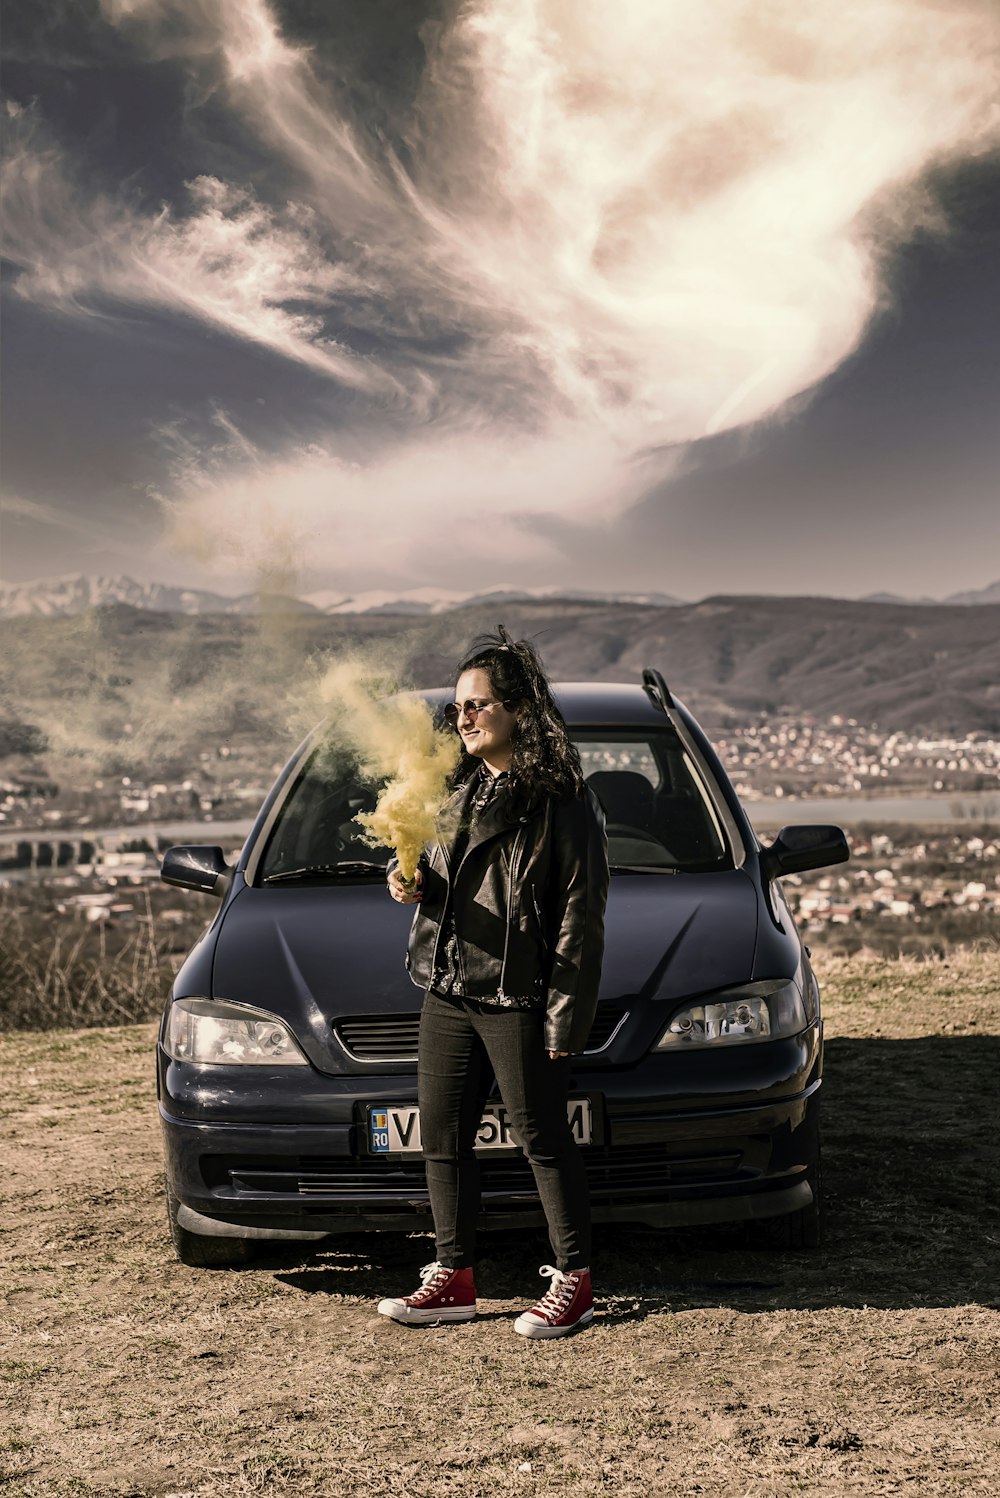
<point x="627" y="797"/>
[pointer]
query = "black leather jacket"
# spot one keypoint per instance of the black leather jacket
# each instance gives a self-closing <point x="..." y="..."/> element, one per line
<point x="529" y="899"/>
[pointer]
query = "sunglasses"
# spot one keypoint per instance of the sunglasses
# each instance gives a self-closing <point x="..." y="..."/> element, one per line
<point x="473" y="709"/>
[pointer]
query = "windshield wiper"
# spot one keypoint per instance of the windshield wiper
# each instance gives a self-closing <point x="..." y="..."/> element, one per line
<point x="643" y="868"/>
<point x="346" y="869"/>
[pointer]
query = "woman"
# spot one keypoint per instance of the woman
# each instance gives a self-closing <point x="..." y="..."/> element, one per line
<point x="507" y="942"/>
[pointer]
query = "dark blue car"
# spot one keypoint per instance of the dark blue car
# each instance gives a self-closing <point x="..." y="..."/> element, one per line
<point x="286" y="1057"/>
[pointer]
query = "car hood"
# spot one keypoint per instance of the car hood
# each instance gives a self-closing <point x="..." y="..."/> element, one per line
<point x="669" y="936"/>
<point x="315" y="953"/>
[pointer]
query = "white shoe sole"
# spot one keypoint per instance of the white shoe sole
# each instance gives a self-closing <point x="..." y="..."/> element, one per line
<point x="537" y="1329"/>
<point x="413" y="1316"/>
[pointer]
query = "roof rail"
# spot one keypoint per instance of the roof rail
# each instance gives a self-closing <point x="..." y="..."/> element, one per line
<point x="657" y="688"/>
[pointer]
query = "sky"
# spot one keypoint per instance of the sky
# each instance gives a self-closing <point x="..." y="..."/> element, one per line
<point x="328" y="295"/>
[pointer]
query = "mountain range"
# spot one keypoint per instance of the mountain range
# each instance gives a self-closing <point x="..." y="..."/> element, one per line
<point x="215" y="678"/>
<point x="54" y="597"/>
<point x="74" y="593"/>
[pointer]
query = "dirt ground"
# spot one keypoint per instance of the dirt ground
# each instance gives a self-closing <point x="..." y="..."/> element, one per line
<point x="868" y="1366"/>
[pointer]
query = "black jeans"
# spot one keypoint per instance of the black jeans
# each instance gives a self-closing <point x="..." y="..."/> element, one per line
<point x="462" y="1047"/>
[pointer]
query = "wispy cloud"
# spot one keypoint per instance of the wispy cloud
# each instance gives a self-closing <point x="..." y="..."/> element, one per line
<point x="229" y="262"/>
<point x="87" y="536"/>
<point x="409" y="511"/>
<point x="611" y="236"/>
<point x="33" y="510"/>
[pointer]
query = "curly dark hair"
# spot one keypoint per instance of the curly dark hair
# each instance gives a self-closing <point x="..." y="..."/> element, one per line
<point x="542" y="759"/>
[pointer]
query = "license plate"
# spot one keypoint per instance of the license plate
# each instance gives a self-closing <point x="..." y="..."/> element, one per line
<point x="396" y="1131"/>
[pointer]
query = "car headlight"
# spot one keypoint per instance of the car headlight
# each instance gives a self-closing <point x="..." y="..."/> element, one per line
<point x="215" y="1030"/>
<point x="766" y="1010"/>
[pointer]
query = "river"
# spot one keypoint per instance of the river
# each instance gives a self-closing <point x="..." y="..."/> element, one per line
<point x="766" y="812"/>
<point x="976" y="807"/>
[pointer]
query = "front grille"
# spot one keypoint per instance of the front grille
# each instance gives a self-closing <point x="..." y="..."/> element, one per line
<point x="629" y="1172"/>
<point x="379" y="1037"/>
<point x="393" y="1037"/>
<point x="606" y="1023"/>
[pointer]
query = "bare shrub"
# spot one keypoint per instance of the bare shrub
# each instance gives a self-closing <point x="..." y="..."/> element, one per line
<point x="50" y="975"/>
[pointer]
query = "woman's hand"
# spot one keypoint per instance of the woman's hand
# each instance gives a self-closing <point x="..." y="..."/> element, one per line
<point x="399" y="890"/>
<point x="555" y="1055"/>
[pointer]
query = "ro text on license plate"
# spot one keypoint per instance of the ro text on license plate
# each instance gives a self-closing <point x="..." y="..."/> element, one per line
<point x="396" y="1131"/>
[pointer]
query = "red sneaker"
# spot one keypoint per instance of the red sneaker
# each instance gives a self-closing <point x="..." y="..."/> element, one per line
<point x="568" y="1303"/>
<point x="445" y="1295"/>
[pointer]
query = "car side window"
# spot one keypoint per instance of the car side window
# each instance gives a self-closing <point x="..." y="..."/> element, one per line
<point x="657" y="812"/>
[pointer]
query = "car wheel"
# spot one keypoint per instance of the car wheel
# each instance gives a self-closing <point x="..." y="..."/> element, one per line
<point x="801" y="1229"/>
<point x="202" y="1252"/>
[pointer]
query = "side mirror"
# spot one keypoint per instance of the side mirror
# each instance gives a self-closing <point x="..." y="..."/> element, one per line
<point x="803" y="847"/>
<point x="197" y="866"/>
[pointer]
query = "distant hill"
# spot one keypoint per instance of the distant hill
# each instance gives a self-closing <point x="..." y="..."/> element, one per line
<point x="932" y="668"/>
<point x="920" y="666"/>
<point x="53" y="597"/>
<point x="989" y="594"/>
<point x="422" y="601"/>
<point x="74" y="593"/>
<point x="895" y="598"/>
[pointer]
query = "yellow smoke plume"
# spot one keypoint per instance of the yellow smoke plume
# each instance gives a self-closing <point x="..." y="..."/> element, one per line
<point x="395" y="740"/>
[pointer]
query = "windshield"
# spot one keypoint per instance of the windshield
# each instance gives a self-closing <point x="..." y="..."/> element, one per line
<point x="658" y="814"/>
<point x="314" y="829"/>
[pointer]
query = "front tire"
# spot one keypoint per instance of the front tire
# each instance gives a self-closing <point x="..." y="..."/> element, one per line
<point x="199" y="1251"/>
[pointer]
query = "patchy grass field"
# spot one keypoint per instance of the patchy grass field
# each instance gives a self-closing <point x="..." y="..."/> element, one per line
<point x="869" y="1366"/>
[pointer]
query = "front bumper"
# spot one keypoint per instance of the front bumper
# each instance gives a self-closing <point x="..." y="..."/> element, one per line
<point x="283" y="1162"/>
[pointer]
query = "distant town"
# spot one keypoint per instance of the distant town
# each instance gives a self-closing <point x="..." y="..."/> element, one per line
<point x="803" y="757"/>
<point x="922" y="883"/>
<point x="98" y="846"/>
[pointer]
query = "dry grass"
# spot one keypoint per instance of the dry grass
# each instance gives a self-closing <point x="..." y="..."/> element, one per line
<point x="55" y="972"/>
<point x="867" y="1367"/>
